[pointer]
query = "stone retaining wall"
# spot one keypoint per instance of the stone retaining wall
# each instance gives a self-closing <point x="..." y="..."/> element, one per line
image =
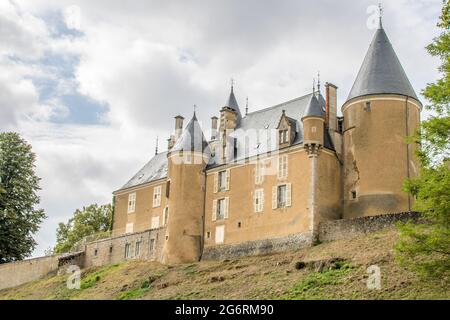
<point x="17" y="273"/>
<point x="258" y="247"/>
<point x="347" y="228"/>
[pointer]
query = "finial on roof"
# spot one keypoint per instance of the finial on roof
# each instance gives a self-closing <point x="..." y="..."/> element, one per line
<point x="195" y="108"/>
<point x="380" y="14"/>
<point x="318" y="81"/>
<point x="246" y="106"/>
<point x="156" y="148"/>
<point x="314" y="85"/>
<point x="232" y="84"/>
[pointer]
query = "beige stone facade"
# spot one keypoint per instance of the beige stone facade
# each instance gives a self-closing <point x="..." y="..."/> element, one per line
<point x="305" y="166"/>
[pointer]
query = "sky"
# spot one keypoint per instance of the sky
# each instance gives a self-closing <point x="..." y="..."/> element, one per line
<point x="90" y="84"/>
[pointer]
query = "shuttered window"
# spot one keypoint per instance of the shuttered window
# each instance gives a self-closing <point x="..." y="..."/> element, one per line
<point x="259" y="172"/>
<point x="129" y="227"/>
<point x="258" y="200"/>
<point x="156" y="196"/>
<point x="281" y="196"/>
<point x="282" y="167"/>
<point x="131" y="202"/>
<point x="220" y="209"/>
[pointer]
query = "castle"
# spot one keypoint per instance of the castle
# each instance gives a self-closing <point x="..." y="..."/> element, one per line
<point x="269" y="178"/>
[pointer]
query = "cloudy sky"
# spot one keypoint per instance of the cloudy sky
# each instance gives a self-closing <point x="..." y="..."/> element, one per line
<point x="91" y="83"/>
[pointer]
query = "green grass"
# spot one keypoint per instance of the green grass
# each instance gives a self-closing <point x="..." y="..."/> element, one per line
<point x="91" y="279"/>
<point x="137" y="292"/>
<point x="314" y="285"/>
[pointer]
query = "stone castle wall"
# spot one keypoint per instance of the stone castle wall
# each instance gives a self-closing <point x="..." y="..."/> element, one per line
<point x="112" y="250"/>
<point x="16" y="273"/>
<point x="347" y="228"/>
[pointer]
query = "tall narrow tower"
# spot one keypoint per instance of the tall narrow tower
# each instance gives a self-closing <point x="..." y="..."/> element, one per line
<point x="186" y="164"/>
<point x="382" y="109"/>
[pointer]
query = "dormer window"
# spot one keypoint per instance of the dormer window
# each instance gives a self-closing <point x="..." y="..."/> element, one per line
<point x="284" y="136"/>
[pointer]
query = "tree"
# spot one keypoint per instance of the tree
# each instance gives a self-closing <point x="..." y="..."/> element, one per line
<point x="19" y="219"/>
<point x="92" y="221"/>
<point x="425" y="247"/>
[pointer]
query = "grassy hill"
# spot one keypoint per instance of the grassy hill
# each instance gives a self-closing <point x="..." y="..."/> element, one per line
<point x="335" y="270"/>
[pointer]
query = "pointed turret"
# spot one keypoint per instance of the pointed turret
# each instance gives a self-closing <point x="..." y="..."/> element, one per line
<point x="381" y="71"/>
<point x="314" y="109"/>
<point x="192" y="138"/>
<point x="233" y="105"/>
<point x="382" y="110"/>
<point x="313" y="123"/>
<point x="186" y="172"/>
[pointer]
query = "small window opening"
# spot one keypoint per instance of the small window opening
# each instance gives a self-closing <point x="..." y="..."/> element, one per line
<point x="353" y="194"/>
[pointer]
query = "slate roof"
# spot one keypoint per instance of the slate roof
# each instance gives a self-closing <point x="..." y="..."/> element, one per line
<point x="267" y="119"/>
<point x="154" y="170"/>
<point x="381" y="71"/>
<point x="192" y="138"/>
<point x="262" y="120"/>
<point x="314" y="109"/>
<point x="232" y="103"/>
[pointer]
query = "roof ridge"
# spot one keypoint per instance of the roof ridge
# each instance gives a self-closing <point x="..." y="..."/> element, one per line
<point x="280" y="104"/>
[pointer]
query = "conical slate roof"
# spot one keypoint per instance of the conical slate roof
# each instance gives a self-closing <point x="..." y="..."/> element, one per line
<point x="192" y="138"/>
<point x="313" y="109"/>
<point x="381" y="71"/>
<point x="232" y="103"/>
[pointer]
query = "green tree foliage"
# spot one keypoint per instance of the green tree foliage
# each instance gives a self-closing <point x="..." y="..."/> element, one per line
<point x="94" y="221"/>
<point x="425" y="247"/>
<point x="19" y="218"/>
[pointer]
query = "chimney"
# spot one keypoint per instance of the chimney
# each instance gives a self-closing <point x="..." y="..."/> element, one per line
<point x="178" y="127"/>
<point x="331" y="106"/>
<point x="214" y="128"/>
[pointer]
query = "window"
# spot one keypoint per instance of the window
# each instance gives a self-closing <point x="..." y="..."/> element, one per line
<point x="110" y="249"/>
<point x="167" y="188"/>
<point x="313" y="129"/>
<point x="166" y="216"/>
<point x="222" y="180"/>
<point x="258" y="199"/>
<point x="368" y="106"/>
<point x="156" y="196"/>
<point x="208" y="235"/>
<point x="220" y="234"/>
<point x="137" y="249"/>
<point x="127" y="250"/>
<point x="284" y="136"/>
<point x="152" y="244"/>
<point x="282" y="167"/>
<point x="131" y="202"/>
<point x="220" y="209"/>
<point x="281" y="196"/>
<point x="239" y="224"/>
<point x="129" y="227"/>
<point x="353" y="194"/>
<point x="259" y="172"/>
<point x="155" y="222"/>
<point x="95" y="252"/>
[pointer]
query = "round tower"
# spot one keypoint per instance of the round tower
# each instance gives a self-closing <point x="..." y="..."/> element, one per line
<point x="186" y="164"/>
<point x="382" y="109"/>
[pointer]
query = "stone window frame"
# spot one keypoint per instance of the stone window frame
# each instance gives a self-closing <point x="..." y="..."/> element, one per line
<point x="258" y="200"/>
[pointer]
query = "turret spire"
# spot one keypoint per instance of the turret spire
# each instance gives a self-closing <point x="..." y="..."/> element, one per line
<point x="380" y="14"/>
<point x="232" y="102"/>
<point x="381" y="71"/>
